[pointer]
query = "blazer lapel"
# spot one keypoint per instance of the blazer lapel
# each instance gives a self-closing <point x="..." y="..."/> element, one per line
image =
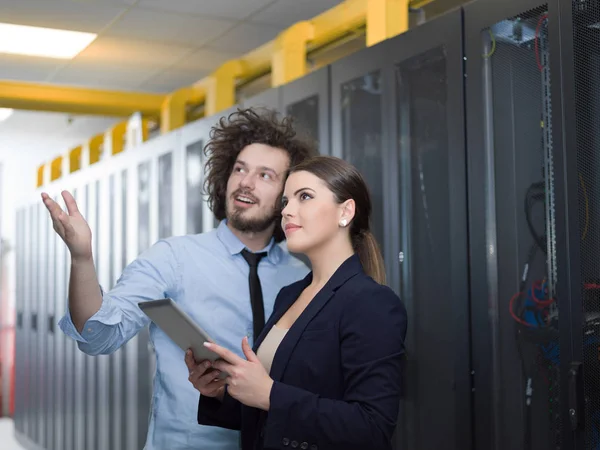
<point x="347" y="270"/>
<point x="291" y="296"/>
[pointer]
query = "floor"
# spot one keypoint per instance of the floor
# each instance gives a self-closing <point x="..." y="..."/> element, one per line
<point x="7" y="435"/>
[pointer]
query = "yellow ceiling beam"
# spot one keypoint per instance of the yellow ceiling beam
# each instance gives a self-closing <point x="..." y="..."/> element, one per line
<point x="117" y="137"/>
<point x="40" y="175"/>
<point x="285" y="57"/>
<point x="289" y="58"/>
<point x="173" y="108"/>
<point x="95" y="148"/>
<point x="327" y="27"/>
<point x="338" y="21"/>
<point x="56" y="168"/>
<point x="75" y="100"/>
<point x="75" y="159"/>
<point x="386" y="19"/>
<point x="220" y="87"/>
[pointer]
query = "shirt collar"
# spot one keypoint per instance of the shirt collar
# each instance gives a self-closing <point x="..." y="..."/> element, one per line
<point x="234" y="246"/>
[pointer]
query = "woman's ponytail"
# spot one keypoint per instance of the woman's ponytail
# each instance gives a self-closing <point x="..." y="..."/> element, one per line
<point x="370" y="256"/>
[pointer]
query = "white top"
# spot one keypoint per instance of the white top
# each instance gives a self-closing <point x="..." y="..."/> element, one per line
<point x="268" y="347"/>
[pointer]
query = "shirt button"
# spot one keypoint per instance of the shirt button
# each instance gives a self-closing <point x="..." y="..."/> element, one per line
<point x="304" y="445"/>
<point x="89" y="330"/>
<point x="294" y="444"/>
<point x="285" y="442"/>
<point x="314" y="447"/>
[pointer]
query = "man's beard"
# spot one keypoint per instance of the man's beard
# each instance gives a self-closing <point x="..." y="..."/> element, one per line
<point x="236" y="219"/>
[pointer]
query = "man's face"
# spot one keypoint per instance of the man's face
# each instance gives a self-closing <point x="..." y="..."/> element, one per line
<point x="254" y="187"/>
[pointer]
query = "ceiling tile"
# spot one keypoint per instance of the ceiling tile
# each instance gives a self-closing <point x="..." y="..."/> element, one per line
<point x="113" y="50"/>
<point x="27" y="68"/>
<point x="62" y="14"/>
<point x="230" y="9"/>
<point x="205" y="59"/>
<point x="100" y="75"/>
<point x="287" y="12"/>
<point x="171" y="80"/>
<point x="52" y="125"/>
<point x="168" y="28"/>
<point x="245" y="37"/>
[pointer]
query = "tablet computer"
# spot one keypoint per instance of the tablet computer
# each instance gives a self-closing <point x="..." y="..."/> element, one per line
<point x="180" y="327"/>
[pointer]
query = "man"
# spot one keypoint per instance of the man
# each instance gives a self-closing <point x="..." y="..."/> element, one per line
<point x="207" y="274"/>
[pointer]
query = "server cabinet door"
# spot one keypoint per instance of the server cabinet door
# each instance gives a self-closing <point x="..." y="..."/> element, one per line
<point x="270" y="99"/>
<point x="19" y="347"/>
<point x="120" y="262"/>
<point x="579" y="163"/>
<point x="41" y="321"/>
<point x="197" y="215"/>
<point x="35" y="365"/>
<point x="146" y="178"/>
<point x="103" y="259"/>
<point x="50" y="352"/>
<point x="360" y="85"/>
<point x="307" y="101"/>
<point x="113" y="256"/>
<point x="515" y="316"/>
<point x="92" y="211"/>
<point x="27" y="403"/>
<point x="78" y="423"/>
<point x="194" y="178"/>
<point x="429" y="190"/>
<point x="60" y="259"/>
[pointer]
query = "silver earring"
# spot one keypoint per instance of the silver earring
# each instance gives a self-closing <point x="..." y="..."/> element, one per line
<point x="343" y="223"/>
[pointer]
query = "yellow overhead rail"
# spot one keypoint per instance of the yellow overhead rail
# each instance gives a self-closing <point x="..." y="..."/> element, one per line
<point x="285" y="57"/>
<point x="75" y="100"/>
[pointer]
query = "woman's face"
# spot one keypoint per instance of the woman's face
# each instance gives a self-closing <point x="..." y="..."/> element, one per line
<point x="311" y="216"/>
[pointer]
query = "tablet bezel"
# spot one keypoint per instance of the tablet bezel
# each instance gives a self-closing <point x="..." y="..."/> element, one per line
<point x="177" y="330"/>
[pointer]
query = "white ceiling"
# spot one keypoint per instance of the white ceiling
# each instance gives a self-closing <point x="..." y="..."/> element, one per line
<point x="142" y="45"/>
<point x="150" y="45"/>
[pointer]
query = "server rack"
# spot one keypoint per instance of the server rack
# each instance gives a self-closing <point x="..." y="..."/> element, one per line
<point x="307" y="101"/>
<point x="60" y="299"/>
<point x="19" y="332"/>
<point x="197" y="216"/>
<point x="92" y="213"/>
<point x="518" y="245"/>
<point x="396" y="115"/>
<point x="50" y="350"/>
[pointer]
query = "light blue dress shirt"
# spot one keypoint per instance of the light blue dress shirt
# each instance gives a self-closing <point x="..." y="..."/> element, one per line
<point x="208" y="278"/>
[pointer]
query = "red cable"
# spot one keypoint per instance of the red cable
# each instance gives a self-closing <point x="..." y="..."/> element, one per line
<point x="542" y="303"/>
<point x="512" y="313"/>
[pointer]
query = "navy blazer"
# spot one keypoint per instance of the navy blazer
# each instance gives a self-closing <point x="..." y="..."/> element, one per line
<point x="337" y="372"/>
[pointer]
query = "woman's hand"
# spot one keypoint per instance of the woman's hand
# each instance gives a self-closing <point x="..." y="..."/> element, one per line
<point x="248" y="381"/>
<point x="204" y="378"/>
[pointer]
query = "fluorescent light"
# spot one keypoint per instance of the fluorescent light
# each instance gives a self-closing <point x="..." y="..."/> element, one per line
<point x="5" y="113"/>
<point x="47" y="42"/>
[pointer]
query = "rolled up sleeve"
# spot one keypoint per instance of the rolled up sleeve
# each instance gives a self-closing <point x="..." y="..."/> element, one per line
<point x="153" y="275"/>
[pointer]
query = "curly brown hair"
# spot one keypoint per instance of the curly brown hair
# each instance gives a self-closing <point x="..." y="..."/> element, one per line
<point x="232" y="134"/>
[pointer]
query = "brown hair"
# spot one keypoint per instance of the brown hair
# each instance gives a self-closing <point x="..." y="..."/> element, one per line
<point x="346" y="183"/>
<point x="231" y="135"/>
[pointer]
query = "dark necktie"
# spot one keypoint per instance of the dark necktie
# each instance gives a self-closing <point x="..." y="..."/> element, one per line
<point x="256" y="298"/>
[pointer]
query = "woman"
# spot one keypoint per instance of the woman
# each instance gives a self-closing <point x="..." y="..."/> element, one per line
<point x="328" y="369"/>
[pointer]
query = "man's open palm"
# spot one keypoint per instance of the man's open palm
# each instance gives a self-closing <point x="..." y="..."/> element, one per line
<point x="71" y="227"/>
